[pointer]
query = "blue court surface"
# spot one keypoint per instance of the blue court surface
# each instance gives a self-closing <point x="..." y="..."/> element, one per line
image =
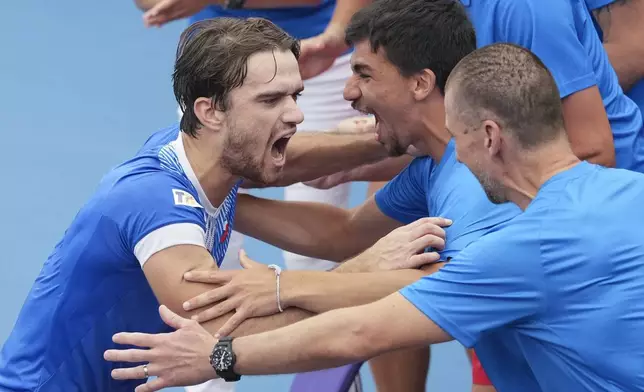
<point x="83" y="85"/>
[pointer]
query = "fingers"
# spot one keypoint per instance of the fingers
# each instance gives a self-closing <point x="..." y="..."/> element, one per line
<point x="420" y="229"/>
<point x="156" y="384"/>
<point x="233" y="322"/>
<point x="246" y="261"/>
<point x="129" y="355"/>
<point x="158" y="15"/>
<point x="136" y="339"/>
<point x="209" y="276"/>
<point x="207" y="298"/>
<point x="310" y="45"/>
<point x="437" y="221"/>
<point x="420" y="260"/>
<point x="172" y="319"/>
<point x="133" y="373"/>
<point x="215" y="311"/>
<point x="427" y="241"/>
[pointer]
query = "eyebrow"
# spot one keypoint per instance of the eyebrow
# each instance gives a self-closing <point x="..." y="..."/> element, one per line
<point x="360" y="68"/>
<point x="278" y="93"/>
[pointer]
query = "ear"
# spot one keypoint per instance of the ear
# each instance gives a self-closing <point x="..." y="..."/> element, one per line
<point x="493" y="138"/>
<point x="423" y="83"/>
<point x="207" y="114"/>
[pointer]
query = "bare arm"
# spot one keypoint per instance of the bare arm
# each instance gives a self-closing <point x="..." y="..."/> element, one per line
<point x="338" y="337"/>
<point x="164" y="272"/>
<point x="145" y="5"/>
<point x="335" y="338"/>
<point x="313" y="229"/>
<point x="311" y="155"/>
<point x="394" y="262"/>
<point x="384" y="170"/>
<point x="319" y="52"/>
<point x="588" y="128"/>
<point x="344" y="10"/>
<point x="622" y="27"/>
<point x="320" y="292"/>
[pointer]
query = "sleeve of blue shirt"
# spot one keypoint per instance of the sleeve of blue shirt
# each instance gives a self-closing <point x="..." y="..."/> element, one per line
<point x="404" y="198"/>
<point x="595" y="4"/>
<point x="547" y="28"/>
<point x="143" y="203"/>
<point x="493" y="282"/>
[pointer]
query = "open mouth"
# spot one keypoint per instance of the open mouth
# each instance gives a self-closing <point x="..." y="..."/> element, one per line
<point x="278" y="150"/>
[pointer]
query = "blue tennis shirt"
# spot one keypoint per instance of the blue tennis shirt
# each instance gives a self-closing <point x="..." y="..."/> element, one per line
<point x="552" y="299"/>
<point x="92" y="285"/>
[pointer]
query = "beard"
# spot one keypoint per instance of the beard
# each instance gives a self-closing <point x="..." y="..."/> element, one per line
<point x="237" y="159"/>
<point x="493" y="189"/>
<point x="393" y="146"/>
<point x="395" y="150"/>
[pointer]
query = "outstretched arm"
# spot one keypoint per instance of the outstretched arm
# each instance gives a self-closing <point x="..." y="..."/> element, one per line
<point x="335" y="338"/>
<point x="164" y="272"/>
<point x="311" y="155"/>
<point x="391" y="264"/>
<point x="160" y="12"/>
<point x="384" y="170"/>
<point x="313" y="229"/>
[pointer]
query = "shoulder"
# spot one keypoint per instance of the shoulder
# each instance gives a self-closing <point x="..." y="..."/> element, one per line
<point x="514" y="245"/>
<point x="152" y="189"/>
<point x="512" y="16"/>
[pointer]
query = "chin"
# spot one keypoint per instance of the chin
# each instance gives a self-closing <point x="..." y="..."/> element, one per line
<point x="271" y="176"/>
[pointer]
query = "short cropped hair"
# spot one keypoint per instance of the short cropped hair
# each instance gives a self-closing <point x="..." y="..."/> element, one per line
<point x="416" y="34"/>
<point x="212" y="58"/>
<point x="514" y="86"/>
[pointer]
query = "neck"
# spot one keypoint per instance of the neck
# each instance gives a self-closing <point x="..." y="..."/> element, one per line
<point x="215" y="180"/>
<point x="433" y="137"/>
<point x="529" y="170"/>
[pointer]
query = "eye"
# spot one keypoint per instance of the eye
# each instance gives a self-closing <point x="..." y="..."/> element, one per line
<point x="363" y="76"/>
<point x="296" y="96"/>
<point x="272" y="101"/>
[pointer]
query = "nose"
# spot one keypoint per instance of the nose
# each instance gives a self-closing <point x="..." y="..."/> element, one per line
<point x="293" y="114"/>
<point x="351" y="90"/>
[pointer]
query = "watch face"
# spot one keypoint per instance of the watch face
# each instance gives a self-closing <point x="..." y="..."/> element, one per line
<point x="221" y="359"/>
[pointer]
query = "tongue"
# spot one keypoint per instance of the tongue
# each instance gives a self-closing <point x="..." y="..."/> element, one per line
<point x="275" y="152"/>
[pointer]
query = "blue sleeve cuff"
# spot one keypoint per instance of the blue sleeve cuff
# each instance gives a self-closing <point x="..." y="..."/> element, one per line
<point x="424" y="305"/>
<point x="596" y="4"/>
<point x="580" y="83"/>
<point x="391" y="212"/>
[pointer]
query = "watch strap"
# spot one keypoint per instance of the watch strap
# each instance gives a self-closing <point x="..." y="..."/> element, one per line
<point x="234" y="4"/>
<point x="228" y="374"/>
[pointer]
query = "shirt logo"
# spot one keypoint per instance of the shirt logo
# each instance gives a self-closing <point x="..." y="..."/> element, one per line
<point x="183" y="198"/>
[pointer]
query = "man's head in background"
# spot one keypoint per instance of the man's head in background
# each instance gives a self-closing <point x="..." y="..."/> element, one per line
<point x="404" y="53"/>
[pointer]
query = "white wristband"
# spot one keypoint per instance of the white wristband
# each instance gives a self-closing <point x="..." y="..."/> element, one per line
<point x="278" y="272"/>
